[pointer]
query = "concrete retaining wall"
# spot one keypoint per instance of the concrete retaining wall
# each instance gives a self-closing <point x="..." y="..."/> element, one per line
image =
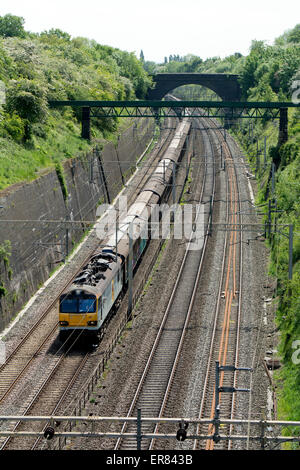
<point x="36" y="249"/>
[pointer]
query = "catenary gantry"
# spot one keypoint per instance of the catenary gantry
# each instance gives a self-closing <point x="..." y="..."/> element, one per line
<point x="230" y="110"/>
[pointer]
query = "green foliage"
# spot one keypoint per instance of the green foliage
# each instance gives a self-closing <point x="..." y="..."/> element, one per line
<point x="6" y="64"/>
<point x="28" y="99"/>
<point x="193" y="64"/>
<point x="294" y="35"/>
<point x="3" y="291"/>
<point x="12" y="26"/>
<point x="131" y="68"/>
<point x="289" y="154"/>
<point x="269" y="70"/>
<point x="290" y="36"/>
<point x="61" y="177"/>
<point x="57" y="33"/>
<point x="266" y="74"/>
<point x="15" y="127"/>
<point x="54" y="66"/>
<point x="287" y="193"/>
<point x="5" y="252"/>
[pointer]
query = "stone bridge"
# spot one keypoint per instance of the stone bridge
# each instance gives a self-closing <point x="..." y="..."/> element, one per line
<point x="225" y="85"/>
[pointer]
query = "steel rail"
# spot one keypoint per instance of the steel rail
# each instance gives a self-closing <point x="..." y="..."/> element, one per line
<point x="236" y="360"/>
<point x="81" y="364"/>
<point x="159" y="336"/>
<point x="223" y="342"/>
<point x="215" y="320"/>
<point x="21" y="372"/>
<point x="232" y="259"/>
<point x="21" y="368"/>
<point x="40" y="321"/>
<point x="46" y="382"/>
<point x="64" y="394"/>
<point x="190" y="309"/>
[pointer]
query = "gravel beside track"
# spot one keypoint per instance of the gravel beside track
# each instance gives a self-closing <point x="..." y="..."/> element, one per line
<point x="48" y="293"/>
<point x="130" y="356"/>
<point x="113" y="393"/>
<point x="152" y="394"/>
<point x="252" y="334"/>
<point x="37" y="352"/>
<point x="257" y="331"/>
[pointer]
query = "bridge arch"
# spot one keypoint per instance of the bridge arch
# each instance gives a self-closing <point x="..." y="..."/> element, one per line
<point x="225" y="85"/>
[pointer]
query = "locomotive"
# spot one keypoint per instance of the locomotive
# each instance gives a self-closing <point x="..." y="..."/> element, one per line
<point x="88" y="302"/>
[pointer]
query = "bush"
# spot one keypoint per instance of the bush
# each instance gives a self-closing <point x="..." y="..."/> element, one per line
<point x="15" y="127"/>
<point x="5" y="251"/>
<point x="28" y="99"/>
<point x="61" y="178"/>
<point x="56" y="33"/>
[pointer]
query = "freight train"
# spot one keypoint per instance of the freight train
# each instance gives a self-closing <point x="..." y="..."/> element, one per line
<point x="95" y="291"/>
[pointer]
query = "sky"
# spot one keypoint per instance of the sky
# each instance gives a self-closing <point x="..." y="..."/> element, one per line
<point x="163" y="27"/>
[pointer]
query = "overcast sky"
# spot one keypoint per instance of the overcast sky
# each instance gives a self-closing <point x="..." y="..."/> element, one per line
<point x="163" y="27"/>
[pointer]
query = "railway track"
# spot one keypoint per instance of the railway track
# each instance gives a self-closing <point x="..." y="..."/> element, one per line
<point x="152" y="392"/>
<point x="154" y="388"/>
<point x="50" y="395"/>
<point x="43" y="332"/>
<point x="66" y="366"/>
<point x="224" y="344"/>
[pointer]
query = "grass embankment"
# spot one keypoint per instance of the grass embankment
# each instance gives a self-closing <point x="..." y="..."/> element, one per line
<point x="20" y="163"/>
<point x="270" y="73"/>
<point x="287" y="296"/>
<point x="36" y="68"/>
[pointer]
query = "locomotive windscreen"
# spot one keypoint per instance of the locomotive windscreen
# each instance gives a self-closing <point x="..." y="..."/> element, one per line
<point x="84" y="303"/>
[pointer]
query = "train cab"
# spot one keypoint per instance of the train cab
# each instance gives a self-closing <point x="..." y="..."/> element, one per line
<point x="78" y="308"/>
<point x="86" y="304"/>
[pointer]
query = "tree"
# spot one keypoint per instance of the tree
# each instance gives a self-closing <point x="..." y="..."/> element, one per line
<point x="58" y="33"/>
<point x="247" y="79"/>
<point x="294" y="35"/>
<point x="28" y="99"/>
<point x="12" y="26"/>
<point x="194" y="64"/>
<point x="131" y="68"/>
<point x="142" y="57"/>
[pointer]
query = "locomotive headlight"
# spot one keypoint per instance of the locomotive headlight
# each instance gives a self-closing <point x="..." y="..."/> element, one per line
<point x="64" y="323"/>
<point x="92" y="323"/>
